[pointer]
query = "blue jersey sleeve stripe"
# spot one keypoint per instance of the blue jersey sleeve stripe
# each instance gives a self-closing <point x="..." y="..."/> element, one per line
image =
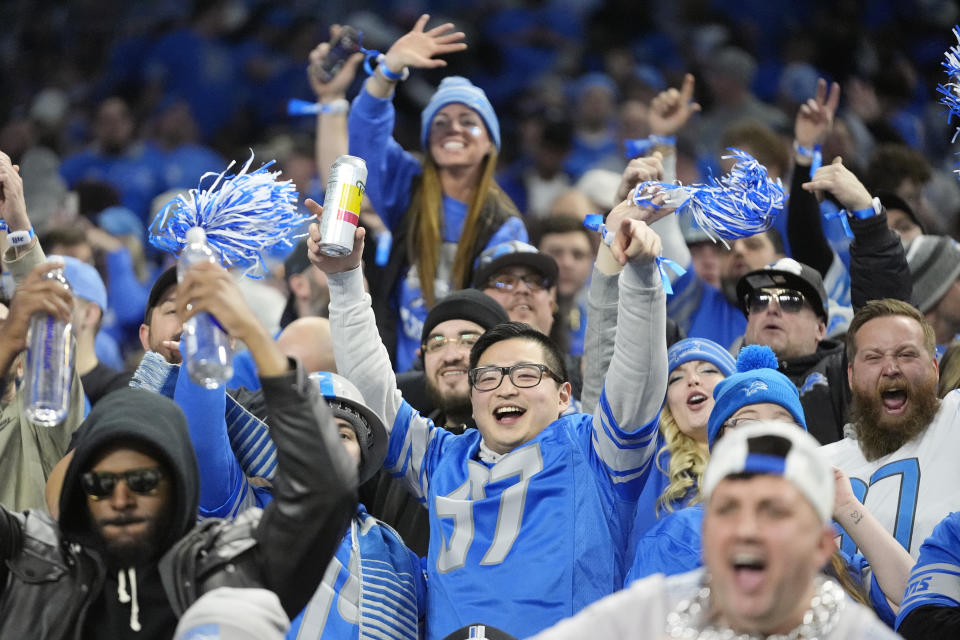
<point x="620" y="457"/>
<point x="615" y="432"/>
<point x="411" y="441"/>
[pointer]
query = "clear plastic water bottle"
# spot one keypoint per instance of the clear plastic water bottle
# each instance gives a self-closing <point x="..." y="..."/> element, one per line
<point x="49" y="366"/>
<point x="205" y="347"/>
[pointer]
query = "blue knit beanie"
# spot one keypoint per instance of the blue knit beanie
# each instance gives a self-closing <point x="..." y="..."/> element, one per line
<point x="757" y="380"/>
<point x="459" y="90"/>
<point x="700" y="349"/>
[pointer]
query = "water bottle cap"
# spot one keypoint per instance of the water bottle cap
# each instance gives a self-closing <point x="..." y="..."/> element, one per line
<point x="195" y="235"/>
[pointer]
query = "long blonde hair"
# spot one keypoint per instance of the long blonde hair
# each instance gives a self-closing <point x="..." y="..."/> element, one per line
<point x="687" y="463"/>
<point x="425" y="236"/>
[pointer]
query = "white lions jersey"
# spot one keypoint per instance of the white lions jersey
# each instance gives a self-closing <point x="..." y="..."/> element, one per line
<point x="912" y="489"/>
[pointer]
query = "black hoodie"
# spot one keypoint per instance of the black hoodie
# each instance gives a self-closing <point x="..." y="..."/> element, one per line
<point x="132" y="597"/>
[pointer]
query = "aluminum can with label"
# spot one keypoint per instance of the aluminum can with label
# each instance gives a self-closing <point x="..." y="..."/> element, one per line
<point x="341" y="205"/>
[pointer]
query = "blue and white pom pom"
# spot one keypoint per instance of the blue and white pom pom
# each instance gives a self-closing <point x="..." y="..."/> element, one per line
<point x="738" y="205"/>
<point x="950" y="91"/>
<point x="243" y="216"/>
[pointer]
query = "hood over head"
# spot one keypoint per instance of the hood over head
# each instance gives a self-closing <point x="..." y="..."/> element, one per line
<point x="144" y="420"/>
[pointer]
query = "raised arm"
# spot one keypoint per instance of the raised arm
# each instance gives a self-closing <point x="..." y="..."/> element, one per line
<point x="604" y="293"/>
<point x="636" y="381"/>
<point x="224" y="488"/>
<point x="36" y="295"/>
<point x="359" y="352"/>
<point x="804" y="227"/>
<point x="331" y="140"/>
<point x="878" y="264"/>
<point x="315" y="489"/>
<point x="371" y="120"/>
<point x="362" y="359"/>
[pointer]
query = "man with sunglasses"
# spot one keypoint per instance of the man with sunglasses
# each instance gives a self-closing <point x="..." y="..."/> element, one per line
<point x="125" y="557"/>
<point x="529" y="512"/>
<point x="786" y="308"/>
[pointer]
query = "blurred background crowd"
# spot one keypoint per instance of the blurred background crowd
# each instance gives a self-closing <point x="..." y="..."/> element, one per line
<point x="111" y="107"/>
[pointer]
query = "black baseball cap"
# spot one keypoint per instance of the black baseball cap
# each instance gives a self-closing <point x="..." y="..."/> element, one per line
<point x="508" y="254"/>
<point x="166" y="280"/>
<point x="786" y="273"/>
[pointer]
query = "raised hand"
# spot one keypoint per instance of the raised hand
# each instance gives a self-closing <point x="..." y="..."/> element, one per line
<point x="640" y="170"/>
<point x="338" y="85"/>
<point x="671" y="109"/>
<point x="13" y="207"/>
<point x="418" y="48"/>
<point x="815" y="117"/>
<point x="846" y="188"/>
<point x="35" y="295"/>
<point x="208" y="287"/>
<point x="636" y="242"/>
<point x="329" y="264"/>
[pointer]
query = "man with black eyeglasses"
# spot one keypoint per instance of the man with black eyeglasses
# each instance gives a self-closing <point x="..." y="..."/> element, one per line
<point x="522" y="280"/>
<point x="529" y="513"/>
<point x="441" y="392"/>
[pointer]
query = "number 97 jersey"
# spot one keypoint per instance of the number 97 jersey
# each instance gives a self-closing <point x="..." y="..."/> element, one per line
<point x="912" y="489"/>
<point x="529" y="540"/>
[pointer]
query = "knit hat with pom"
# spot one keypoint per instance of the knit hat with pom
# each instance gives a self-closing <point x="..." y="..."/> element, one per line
<point x="756" y="381"/>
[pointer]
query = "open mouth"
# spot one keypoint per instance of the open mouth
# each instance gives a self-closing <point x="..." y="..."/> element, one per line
<point x="447" y="374"/>
<point x="508" y="414"/>
<point x="748" y="571"/>
<point x="696" y="400"/>
<point x="894" y="400"/>
<point x="453" y="145"/>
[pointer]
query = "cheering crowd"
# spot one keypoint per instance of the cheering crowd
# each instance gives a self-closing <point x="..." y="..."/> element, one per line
<point x="531" y="401"/>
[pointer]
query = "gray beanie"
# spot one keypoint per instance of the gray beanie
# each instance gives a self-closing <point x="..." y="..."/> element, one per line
<point x="234" y="614"/>
<point x="934" y="265"/>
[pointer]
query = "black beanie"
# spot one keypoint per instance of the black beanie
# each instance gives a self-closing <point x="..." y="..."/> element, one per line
<point x="466" y="304"/>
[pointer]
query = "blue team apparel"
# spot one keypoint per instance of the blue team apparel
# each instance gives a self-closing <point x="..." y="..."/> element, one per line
<point x="373" y="588"/>
<point x="535" y="537"/>
<point x="935" y="579"/>
<point x="702" y="311"/>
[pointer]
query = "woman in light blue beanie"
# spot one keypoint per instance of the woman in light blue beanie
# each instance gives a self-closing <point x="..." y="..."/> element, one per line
<point x="442" y="211"/>
<point x="694" y="367"/>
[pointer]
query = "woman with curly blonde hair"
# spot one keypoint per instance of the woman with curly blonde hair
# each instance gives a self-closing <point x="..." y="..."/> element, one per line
<point x="694" y="366"/>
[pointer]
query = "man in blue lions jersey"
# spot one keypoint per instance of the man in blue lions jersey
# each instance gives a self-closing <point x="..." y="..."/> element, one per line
<point x="529" y="512"/>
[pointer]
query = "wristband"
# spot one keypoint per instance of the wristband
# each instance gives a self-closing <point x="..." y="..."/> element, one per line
<point x="869" y="212"/>
<point x="3" y="225"/>
<point x="20" y="238"/>
<point x="297" y="107"/>
<point x="388" y="74"/>
<point x="815" y="154"/>
<point x="639" y="146"/>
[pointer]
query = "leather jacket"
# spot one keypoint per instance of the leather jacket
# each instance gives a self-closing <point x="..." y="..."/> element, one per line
<point x="50" y="573"/>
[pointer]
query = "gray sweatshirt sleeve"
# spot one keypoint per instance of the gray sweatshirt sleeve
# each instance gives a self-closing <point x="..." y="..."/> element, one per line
<point x="602" y="299"/>
<point x="624" y="422"/>
<point x="361" y="357"/>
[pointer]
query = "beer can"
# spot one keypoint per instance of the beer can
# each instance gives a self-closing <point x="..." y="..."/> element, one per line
<point x="341" y="205"/>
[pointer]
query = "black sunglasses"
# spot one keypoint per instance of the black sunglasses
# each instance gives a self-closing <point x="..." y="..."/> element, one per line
<point x="100" y="484"/>
<point x="789" y="300"/>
